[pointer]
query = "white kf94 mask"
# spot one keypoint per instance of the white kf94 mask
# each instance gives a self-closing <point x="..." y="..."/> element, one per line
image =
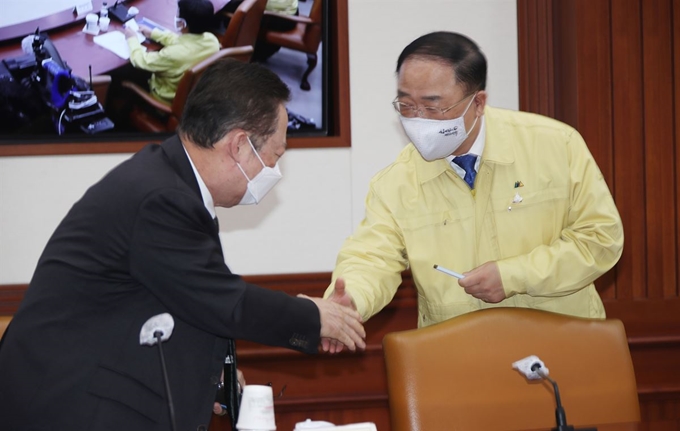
<point x="436" y="139"/>
<point x="262" y="183"/>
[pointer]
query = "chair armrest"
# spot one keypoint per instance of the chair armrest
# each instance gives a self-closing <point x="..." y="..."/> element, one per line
<point x="146" y="97"/>
<point x="294" y="18"/>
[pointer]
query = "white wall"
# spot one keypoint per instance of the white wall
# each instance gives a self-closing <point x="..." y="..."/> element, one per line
<point x="378" y="32"/>
<point x="302" y="223"/>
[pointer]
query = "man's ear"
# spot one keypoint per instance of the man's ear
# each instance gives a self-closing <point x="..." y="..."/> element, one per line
<point x="234" y="145"/>
<point x="480" y="102"/>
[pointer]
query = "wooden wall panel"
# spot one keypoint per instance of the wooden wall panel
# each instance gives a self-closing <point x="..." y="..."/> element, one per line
<point x="537" y="44"/>
<point x="676" y="142"/>
<point x="593" y="48"/>
<point x="593" y="58"/>
<point x="628" y="134"/>
<point x="658" y="146"/>
<point x="617" y="80"/>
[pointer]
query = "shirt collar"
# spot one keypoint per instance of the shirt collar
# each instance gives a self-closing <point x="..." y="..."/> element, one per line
<point x="205" y="193"/>
<point x="429" y="170"/>
<point x="491" y="143"/>
<point x="477" y="148"/>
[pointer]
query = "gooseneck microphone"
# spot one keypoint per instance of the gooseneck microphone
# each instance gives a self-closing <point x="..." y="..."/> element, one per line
<point x="154" y="331"/>
<point x="560" y="415"/>
<point x="534" y="369"/>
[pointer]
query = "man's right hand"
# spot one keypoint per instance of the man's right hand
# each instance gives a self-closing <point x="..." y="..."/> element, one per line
<point x="340" y="325"/>
<point x="145" y="30"/>
<point x="130" y="33"/>
<point x="342" y="297"/>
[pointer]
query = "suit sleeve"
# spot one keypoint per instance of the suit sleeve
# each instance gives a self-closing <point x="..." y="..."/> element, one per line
<point x="175" y="254"/>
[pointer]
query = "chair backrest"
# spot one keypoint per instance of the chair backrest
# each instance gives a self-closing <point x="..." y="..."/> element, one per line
<point x="244" y="24"/>
<point x="305" y="37"/>
<point x="192" y="75"/>
<point x="458" y="374"/>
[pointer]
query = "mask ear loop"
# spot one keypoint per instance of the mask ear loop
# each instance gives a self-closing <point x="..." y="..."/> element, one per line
<point x="466" y="109"/>
<point x="255" y="151"/>
<point x="470" y="102"/>
<point x="242" y="171"/>
<point x="258" y="157"/>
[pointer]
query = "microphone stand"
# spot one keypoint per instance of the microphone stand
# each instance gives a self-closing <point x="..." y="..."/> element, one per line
<point x="560" y="415"/>
<point x="157" y="335"/>
<point x="154" y="331"/>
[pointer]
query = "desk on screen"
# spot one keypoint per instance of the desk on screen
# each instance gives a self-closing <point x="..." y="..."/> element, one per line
<point x="65" y="30"/>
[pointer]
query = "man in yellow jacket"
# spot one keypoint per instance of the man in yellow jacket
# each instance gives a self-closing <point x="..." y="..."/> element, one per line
<point x="513" y="201"/>
<point x="180" y="51"/>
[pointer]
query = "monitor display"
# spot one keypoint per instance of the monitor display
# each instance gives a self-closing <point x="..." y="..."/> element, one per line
<point x="62" y="67"/>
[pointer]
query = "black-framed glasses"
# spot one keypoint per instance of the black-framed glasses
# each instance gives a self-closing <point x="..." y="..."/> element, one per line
<point x="409" y="110"/>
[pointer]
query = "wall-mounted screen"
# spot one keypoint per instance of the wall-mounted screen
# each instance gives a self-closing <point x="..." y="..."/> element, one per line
<point x="62" y="67"/>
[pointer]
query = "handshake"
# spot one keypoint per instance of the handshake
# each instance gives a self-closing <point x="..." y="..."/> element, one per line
<point x="341" y="324"/>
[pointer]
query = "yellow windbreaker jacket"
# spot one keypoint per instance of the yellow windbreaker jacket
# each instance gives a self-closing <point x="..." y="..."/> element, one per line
<point x="550" y="247"/>
<point x="180" y="52"/>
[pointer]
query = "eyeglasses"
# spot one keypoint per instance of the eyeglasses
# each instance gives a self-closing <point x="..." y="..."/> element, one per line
<point x="409" y="111"/>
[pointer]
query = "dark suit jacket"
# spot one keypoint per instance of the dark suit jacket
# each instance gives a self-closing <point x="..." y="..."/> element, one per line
<point x="139" y="243"/>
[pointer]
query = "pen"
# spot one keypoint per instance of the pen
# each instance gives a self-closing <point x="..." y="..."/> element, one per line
<point x="449" y="272"/>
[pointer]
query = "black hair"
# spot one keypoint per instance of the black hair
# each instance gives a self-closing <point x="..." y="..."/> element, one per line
<point x="232" y="94"/>
<point x="454" y="49"/>
<point x="198" y="14"/>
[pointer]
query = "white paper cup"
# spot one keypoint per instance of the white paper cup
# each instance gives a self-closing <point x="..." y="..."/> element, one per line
<point x="257" y="409"/>
<point x="104" y="23"/>
<point x="91" y="21"/>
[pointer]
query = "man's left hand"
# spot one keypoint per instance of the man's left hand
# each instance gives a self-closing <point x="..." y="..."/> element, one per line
<point x="217" y="408"/>
<point x="484" y="282"/>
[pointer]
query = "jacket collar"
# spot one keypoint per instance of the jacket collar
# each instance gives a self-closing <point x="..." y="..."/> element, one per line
<point x="174" y="151"/>
<point x="496" y="148"/>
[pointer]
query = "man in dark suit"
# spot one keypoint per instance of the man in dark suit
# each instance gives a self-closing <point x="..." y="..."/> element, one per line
<point x="144" y="241"/>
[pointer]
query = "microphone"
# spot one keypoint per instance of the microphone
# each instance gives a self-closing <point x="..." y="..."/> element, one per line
<point x="154" y="331"/>
<point x="534" y="369"/>
<point x="560" y="415"/>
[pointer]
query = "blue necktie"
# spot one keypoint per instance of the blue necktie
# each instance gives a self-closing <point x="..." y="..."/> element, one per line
<point x="467" y="162"/>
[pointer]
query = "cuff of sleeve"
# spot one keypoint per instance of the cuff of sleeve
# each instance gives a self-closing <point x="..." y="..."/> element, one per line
<point x="155" y="33"/>
<point x="512" y="277"/>
<point x="359" y="303"/>
<point x="133" y="43"/>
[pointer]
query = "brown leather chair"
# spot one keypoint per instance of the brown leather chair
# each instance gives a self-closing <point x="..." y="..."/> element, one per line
<point x="458" y="374"/>
<point x="4" y="323"/>
<point x="305" y="37"/>
<point x="153" y="115"/>
<point x="244" y="24"/>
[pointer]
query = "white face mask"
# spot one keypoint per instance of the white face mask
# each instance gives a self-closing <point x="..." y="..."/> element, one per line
<point x="436" y="139"/>
<point x="180" y="23"/>
<point x="262" y="183"/>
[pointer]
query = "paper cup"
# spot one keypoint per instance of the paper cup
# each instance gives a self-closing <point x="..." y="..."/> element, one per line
<point x="104" y="23"/>
<point x="257" y="409"/>
<point x="91" y="21"/>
